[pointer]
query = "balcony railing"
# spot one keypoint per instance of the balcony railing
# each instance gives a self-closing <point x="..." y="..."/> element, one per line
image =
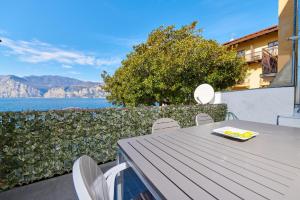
<point x="272" y="50"/>
<point x="269" y="62"/>
<point x="253" y="57"/>
<point x="256" y="56"/>
<point x="268" y="59"/>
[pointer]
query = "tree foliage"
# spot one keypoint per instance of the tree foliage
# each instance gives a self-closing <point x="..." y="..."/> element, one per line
<point x="170" y="65"/>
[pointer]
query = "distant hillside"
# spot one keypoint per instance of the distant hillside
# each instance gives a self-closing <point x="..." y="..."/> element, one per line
<point x="48" y="86"/>
<point x="13" y="86"/>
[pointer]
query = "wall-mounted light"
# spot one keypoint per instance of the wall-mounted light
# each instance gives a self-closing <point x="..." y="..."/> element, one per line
<point x="294" y="37"/>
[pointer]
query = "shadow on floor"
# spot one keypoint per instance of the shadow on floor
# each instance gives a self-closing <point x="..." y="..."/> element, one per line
<point x="57" y="188"/>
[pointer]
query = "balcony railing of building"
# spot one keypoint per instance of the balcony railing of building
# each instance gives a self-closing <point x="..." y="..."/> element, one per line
<point x="267" y="57"/>
<point x="269" y="61"/>
<point x="258" y="55"/>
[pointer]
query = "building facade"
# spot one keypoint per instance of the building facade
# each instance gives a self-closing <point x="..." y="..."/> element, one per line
<point x="280" y="102"/>
<point x="272" y="53"/>
<point x="260" y="51"/>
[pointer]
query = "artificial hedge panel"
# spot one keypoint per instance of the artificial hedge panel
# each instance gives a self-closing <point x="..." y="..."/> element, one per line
<point x="40" y="144"/>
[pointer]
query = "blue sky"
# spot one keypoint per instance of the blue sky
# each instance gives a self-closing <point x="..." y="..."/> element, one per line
<point x="82" y="38"/>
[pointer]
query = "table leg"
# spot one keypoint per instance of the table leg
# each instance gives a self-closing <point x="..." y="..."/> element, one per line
<point x="122" y="158"/>
<point x="120" y="178"/>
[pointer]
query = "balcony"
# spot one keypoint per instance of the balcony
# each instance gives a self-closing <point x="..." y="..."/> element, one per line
<point x="253" y="57"/>
<point x="269" y="62"/>
<point x="268" y="59"/>
<point x="257" y="56"/>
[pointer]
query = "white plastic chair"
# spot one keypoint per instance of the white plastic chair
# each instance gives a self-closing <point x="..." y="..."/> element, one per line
<point x="164" y="124"/>
<point x="90" y="182"/>
<point x="203" y="118"/>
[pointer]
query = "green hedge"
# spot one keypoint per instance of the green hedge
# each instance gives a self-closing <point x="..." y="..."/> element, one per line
<point x="40" y="144"/>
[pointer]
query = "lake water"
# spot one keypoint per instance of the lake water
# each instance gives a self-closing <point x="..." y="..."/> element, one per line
<point x="24" y="104"/>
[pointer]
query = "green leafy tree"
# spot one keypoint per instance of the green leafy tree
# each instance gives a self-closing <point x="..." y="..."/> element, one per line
<point x="169" y="66"/>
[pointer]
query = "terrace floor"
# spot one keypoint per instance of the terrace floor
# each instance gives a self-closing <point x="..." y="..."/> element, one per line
<point x="60" y="187"/>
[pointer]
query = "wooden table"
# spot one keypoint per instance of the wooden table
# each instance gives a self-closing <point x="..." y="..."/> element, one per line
<point x="194" y="163"/>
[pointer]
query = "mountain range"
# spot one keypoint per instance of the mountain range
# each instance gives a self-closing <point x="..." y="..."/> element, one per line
<point x="48" y="86"/>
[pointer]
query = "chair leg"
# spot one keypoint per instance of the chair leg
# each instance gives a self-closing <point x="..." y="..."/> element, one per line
<point x="110" y="176"/>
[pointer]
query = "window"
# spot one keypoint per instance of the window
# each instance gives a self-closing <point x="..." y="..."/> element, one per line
<point x="241" y="53"/>
<point x="273" y="44"/>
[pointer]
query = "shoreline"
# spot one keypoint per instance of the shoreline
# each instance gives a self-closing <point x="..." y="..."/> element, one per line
<point x="52" y="98"/>
<point x="44" y="104"/>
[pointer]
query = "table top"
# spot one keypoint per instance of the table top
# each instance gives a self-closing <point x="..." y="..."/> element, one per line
<point x="194" y="163"/>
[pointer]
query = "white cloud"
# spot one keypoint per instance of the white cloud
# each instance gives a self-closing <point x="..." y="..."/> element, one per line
<point x="66" y="66"/>
<point x="37" y="52"/>
<point x="3" y="32"/>
<point x="120" y="41"/>
<point x="74" y="72"/>
<point x="126" y="41"/>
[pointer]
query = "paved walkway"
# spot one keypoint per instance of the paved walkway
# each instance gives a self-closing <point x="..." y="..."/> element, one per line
<point x="60" y="188"/>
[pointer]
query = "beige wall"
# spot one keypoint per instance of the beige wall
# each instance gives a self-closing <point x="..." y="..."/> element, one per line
<point x="257" y="44"/>
<point x="253" y="79"/>
<point x="285" y="14"/>
<point x="284" y="75"/>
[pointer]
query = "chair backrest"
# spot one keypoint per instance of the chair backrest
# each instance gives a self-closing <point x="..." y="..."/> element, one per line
<point x="203" y="118"/>
<point x="89" y="181"/>
<point x="164" y="124"/>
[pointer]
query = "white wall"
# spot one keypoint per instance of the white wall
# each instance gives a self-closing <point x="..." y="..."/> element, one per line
<point x="289" y="121"/>
<point x="259" y="105"/>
